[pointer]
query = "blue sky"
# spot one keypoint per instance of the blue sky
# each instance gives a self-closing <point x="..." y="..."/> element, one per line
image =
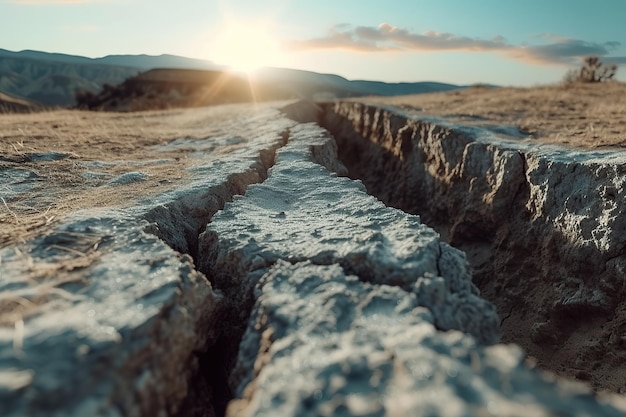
<point x="459" y="41"/>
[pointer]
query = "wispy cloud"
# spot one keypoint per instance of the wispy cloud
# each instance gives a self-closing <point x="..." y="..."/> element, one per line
<point x="386" y="37"/>
<point x="561" y="51"/>
<point x="552" y="49"/>
<point x="49" y="2"/>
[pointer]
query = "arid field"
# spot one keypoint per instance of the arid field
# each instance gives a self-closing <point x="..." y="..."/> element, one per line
<point x="114" y="142"/>
<point x="581" y="115"/>
<point x="576" y="115"/>
<point x="53" y="163"/>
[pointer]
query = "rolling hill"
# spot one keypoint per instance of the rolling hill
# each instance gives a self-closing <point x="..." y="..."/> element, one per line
<point x="54" y="83"/>
<point x="53" y="79"/>
<point x="10" y="104"/>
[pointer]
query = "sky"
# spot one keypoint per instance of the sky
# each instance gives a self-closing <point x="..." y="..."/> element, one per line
<point x="503" y="42"/>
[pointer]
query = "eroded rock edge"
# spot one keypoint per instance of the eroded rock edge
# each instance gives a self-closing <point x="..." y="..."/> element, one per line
<point x="542" y="226"/>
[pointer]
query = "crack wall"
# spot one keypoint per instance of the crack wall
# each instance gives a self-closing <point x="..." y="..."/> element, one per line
<point x="179" y="223"/>
<point x="457" y="185"/>
<point x="538" y="228"/>
<point x="305" y="214"/>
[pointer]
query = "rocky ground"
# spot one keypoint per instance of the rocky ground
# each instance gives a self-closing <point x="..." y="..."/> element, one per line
<point x="222" y="261"/>
<point x="542" y="223"/>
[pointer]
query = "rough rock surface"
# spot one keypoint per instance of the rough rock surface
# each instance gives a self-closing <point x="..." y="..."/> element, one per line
<point x="313" y="298"/>
<point x="543" y="227"/>
<point x="115" y="339"/>
<point x="329" y="344"/>
<point x="347" y="298"/>
<point x="101" y="317"/>
<point x="303" y="212"/>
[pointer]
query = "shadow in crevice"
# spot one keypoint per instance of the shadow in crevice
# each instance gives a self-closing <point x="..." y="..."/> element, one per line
<point x="530" y="269"/>
<point x="179" y="224"/>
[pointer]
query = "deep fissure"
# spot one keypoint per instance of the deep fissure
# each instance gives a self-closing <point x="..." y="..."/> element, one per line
<point x="383" y="151"/>
<point x="520" y="262"/>
<point x="179" y="224"/>
<point x="273" y="223"/>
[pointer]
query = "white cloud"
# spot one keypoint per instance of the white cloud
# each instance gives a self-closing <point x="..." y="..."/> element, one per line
<point x="553" y="49"/>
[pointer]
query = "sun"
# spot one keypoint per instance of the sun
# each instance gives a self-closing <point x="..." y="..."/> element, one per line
<point x="245" y="46"/>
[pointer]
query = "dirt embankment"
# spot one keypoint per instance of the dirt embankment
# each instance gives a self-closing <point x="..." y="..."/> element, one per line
<point x="9" y="104"/>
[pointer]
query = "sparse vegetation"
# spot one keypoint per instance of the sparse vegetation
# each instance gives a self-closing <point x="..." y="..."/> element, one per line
<point x="162" y="89"/>
<point x="585" y="115"/>
<point x="592" y="71"/>
<point x="114" y="139"/>
<point x="86" y="100"/>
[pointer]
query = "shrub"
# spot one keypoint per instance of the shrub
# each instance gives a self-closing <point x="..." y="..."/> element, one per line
<point x="592" y="71"/>
<point x="84" y="99"/>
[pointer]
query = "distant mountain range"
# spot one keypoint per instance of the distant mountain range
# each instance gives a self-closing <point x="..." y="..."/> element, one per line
<point x="53" y="79"/>
<point x="311" y="83"/>
<point x="143" y="62"/>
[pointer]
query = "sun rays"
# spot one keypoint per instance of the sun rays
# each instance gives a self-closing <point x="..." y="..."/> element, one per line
<point x="245" y="46"/>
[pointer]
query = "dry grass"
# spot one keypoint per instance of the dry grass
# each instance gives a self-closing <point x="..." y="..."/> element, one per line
<point x="17" y="306"/>
<point x="579" y="115"/>
<point x="123" y="141"/>
<point x="37" y="280"/>
<point x="589" y="116"/>
<point x="36" y="194"/>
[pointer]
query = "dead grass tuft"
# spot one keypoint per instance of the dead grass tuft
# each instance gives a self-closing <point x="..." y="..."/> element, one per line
<point x="68" y="252"/>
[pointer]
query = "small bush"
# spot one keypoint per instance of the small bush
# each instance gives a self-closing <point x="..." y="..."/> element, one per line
<point x="84" y="99"/>
<point x="592" y="71"/>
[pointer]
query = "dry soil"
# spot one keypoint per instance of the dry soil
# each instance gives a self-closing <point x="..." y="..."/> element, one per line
<point x="580" y="116"/>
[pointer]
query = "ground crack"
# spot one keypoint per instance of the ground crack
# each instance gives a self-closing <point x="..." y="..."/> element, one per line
<point x="179" y="223"/>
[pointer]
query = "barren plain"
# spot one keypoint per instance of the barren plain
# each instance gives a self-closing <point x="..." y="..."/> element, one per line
<point x="580" y="116"/>
<point x="59" y="147"/>
<point x="589" y="116"/>
<point x="54" y="164"/>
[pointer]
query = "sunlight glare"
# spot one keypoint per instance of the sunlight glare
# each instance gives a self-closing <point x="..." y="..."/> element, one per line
<point x="245" y="46"/>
